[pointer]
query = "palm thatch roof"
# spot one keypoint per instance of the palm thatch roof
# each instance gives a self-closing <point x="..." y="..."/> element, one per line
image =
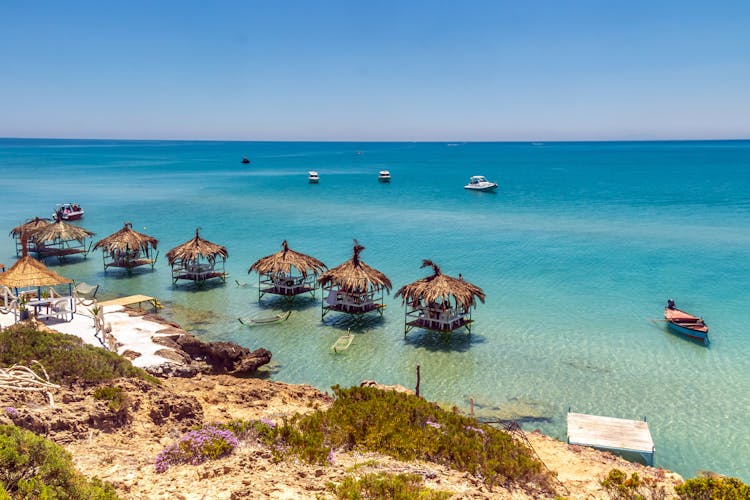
<point x="197" y="247"/>
<point x="285" y="260"/>
<point x="60" y="230"/>
<point x="29" y="226"/>
<point x="28" y="272"/>
<point x="126" y="239"/>
<point x="440" y="287"/>
<point x="355" y="275"/>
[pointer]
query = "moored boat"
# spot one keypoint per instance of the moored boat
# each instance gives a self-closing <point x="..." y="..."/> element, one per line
<point x="480" y="183"/>
<point x="384" y="176"/>
<point x="685" y="324"/>
<point x="68" y="211"/>
<point x="313" y="177"/>
<point x="245" y="160"/>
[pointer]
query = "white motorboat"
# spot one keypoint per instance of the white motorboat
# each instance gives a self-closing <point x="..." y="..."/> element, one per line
<point x="480" y="183"/>
<point x="384" y="176"/>
<point x="312" y="177"/>
<point x="68" y="211"/>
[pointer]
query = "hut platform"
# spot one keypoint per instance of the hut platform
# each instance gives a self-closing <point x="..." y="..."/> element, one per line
<point x="287" y="291"/>
<point x="131" y="300"/>
<point x="130" y="263"/>
<point x="611" y="434"/>
<point x="439" y="326"/>
<point x="200" y="276"/>
<point x="355" y="308"/>
<point x="58" y="252"/>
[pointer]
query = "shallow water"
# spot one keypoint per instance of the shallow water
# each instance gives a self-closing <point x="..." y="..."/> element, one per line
<point x="577" y="252"/>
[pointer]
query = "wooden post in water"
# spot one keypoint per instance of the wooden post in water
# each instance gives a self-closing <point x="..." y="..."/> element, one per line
<point x="418" y="379"/>
<point x="471" y="405"/>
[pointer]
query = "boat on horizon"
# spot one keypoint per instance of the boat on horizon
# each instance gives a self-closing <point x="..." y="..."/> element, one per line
<point x="384" y="176"/>
<point x="685" y="324"/>
<point x="68" y="211"/>
<point x="480" y="183"/>
<point x="313" y="177"/>
<point x="245" y="160"/>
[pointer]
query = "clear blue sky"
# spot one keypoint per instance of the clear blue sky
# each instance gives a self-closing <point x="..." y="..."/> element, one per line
<point x="375" y="70"/>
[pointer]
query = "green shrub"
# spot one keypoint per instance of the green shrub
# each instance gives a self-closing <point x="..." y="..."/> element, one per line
<point x="118" y="399"/>
<point x="65" y="357"/>
<point x="407" y="427"/>
<point x="620" y="486"/>
<point x="401" y="486"/>
<point x="34" y="467"/>
<point x="713" y="488"/>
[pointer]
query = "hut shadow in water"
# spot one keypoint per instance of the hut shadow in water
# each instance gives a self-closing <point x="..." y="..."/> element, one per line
<point x="437" y="341"/>
<point x="358" y="324"/>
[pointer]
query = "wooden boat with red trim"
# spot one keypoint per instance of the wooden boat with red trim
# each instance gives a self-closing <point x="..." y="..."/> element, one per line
<point x="686" y="324"/>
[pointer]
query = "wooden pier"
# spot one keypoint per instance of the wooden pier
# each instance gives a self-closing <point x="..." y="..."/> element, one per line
<point x="132" y="299"/>
<point x="611" y="434"/>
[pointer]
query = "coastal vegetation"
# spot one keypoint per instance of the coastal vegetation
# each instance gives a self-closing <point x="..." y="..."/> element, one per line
<point x="195" y="447"/>
<point x="713" y="488"/>
<point x="34" y="467"/>
<point x="407" y="428"/>
<point x="66" y="358"/>
<point x="403" y="486"/>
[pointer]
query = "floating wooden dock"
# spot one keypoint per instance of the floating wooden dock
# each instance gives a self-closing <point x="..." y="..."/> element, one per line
<point x="132" y="299"/>
<point x="611" y="434"/>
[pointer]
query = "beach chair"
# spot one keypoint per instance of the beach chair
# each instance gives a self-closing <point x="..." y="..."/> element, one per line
<point x="60" y="309"/>
<point x="85" y="290"/>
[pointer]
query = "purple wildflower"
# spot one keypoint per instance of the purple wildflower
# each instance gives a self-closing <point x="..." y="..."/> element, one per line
<point x="11" y="412"/>
<point x="331" y="457"/>
<point x="269" y="423"/>
<point x="475" y="429"/>
<point x="433" y="424"/>
<point x="195" y="447"/>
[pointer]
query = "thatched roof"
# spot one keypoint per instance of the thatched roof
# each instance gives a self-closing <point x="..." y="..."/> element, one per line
<point x="126" y="239"/>
<point x="194" y="248"/>
<point x="60" y="230"/>
<point x="355" y="274"/>
<point x="440" y="287"/>
<point x="29" y="226"/>
<point x="285" y="260"/>
<point x="29" y="272"/>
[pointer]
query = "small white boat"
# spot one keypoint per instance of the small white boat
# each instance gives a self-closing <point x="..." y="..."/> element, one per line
<point x="312" y="177"/>
<point x="480" y="183"/>
<point x="384" y="176"/>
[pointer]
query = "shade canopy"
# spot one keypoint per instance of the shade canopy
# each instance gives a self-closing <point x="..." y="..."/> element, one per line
<point x="197" y="247"/>
<point x="126" y="239"/>
<point x="29" y="226"/>
<point x="285" y="260"/>
<point x="60" y="230"/>
<point x="355" y="275"/>
<point x="440" y="287"/>
<point x="28" y="272"/>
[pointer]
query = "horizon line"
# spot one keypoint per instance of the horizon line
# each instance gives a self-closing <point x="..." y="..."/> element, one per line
<point x="372" y="141"/>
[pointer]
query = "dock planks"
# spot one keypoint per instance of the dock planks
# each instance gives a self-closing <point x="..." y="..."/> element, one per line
<point x="130" y="300"/>
<point x="609" y="433"/>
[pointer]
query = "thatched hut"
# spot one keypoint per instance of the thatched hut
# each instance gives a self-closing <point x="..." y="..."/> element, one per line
<point x="21" y="287"/>
<point x="439" y="302"/>
<point x="28" y="227"/>
<point x="60" y="239"/>
<point x="287" y="273"/>
<point x="198" y="260"/>
<point x="353" y="287"/>
<point x="128" y="249"/>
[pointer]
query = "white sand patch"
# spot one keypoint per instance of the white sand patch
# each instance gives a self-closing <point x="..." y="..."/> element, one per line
<point x="132" y="333"/>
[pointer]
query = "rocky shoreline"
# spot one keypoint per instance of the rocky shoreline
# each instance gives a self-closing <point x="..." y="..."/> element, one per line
<point x="211" y="382"/>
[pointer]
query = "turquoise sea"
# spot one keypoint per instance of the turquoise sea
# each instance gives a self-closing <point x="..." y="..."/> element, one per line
<point x="577" y="252"/>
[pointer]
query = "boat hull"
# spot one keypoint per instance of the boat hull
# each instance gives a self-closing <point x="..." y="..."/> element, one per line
<point x="688" y="332"/>
<point x="483" y="188"/>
